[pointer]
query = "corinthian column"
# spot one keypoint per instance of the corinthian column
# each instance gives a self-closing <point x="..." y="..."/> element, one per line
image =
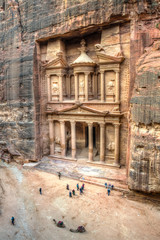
<point x="60" y="87"/>
<point x="86" y="87"/>
<point x="63" y="138"/>
<point x="117" y="99"/>
<point x="73" y="138"/>
<point x="90" y="130"/>
<point x="51" y="136"/>
<point x="76" y="86"/>
<point x="116" y="153"/>
<point x="48" y="87"/>
<point x="102" y="141"/>
<point x="102" y="86"/>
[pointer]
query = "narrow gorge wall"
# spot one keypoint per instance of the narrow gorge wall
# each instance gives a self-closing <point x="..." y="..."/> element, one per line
<point x="24" y="24"/>
<point x="145" y="121"/>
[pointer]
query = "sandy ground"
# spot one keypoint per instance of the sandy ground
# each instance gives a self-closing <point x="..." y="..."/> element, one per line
<point x="105" y="218"/>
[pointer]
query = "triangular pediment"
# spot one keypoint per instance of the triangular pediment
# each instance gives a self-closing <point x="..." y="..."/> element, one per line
<point x="81" y="110"/>
<point x="104" y="58"/>
<point x="56" y="63"/>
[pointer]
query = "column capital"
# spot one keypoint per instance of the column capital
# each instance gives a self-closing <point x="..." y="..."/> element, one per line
<point x="101" y="71"/>
<point x="90" y="124"/>
<point x="48" y="75"/>
<point x="72" y="121"/>
<point x="117" y="124"/>
<point x="60" y="74"/>
<point x="117" y="70"/>
<point x="102" y="125"/>
<point x="87" y="73"/>
<point x="62" y="121"/>
<point x="50" y="118"/>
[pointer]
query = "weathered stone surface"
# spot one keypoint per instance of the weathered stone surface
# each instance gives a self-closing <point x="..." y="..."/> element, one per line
<point x="145" y="126"/>
<point x="22" y="23"/>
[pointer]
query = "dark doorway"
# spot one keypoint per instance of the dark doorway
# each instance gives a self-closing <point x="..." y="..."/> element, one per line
<point x="86" y="136"/>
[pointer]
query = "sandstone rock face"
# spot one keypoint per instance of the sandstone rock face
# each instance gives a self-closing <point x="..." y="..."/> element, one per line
<point x="145" y="125"/>
<point x="25" y="24"/>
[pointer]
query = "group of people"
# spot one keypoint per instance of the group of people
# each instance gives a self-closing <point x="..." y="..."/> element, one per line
<point x="80" y="189"/>
<point x="109" y="187"/>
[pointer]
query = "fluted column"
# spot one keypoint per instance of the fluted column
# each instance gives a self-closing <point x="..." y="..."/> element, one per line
<point x="48" y="87"/>
<point x="90" y="134"/>
<point x="60" y="87"/>
<point x="73" y="138"/>
<point x="86" y="86"/>
<point x="102" y="86"/>
<point x="95" y="85"/>
<point x="117" y="99"/>
<point x="51" y="136"/>
<point x="116" y="153"/>
<point x="76" y="87"/>
<point x="63" y="138"/>
<point x="102" y="141"/>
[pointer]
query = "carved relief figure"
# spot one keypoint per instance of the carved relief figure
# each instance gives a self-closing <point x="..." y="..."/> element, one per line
<point x="111" y="146"/>
<point x="81" y="86"/>
<point x="72" y="85"/>
<point x="90" y="85"/>
<point x="64" y="85"/>
<point x="55" y="90"/>
<point x="110" y="87"/>
<point x="57" y="145"/>
<point x="57" y="140"/>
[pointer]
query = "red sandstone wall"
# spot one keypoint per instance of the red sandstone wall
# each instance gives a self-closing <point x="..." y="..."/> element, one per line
<point x="144" y="169"/>
<point x="24" y="22"/>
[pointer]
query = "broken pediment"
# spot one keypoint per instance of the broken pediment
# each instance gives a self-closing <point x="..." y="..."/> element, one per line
<point x="58" y="62"/>
<point x="104" y="58"/>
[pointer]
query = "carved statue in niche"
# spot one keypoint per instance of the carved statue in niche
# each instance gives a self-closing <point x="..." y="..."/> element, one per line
<point x="110" y="87"/>
<point x="81" y="86"/>
<point x="90" y="85"/>
<point x="57" y="140"/>
<point x="111" y="146"/>
<point x="64" y="85"/>
<point x="72" y="85"/>
<point x="55" y="90"/>
<point x="57" y="145"/>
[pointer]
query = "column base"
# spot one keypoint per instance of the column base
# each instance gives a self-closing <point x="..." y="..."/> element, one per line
<point x="61" y="158"/>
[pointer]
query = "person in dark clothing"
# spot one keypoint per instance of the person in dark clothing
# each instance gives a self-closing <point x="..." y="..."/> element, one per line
<point x="112" y="187"/>
<point x="83" y="186"/>
<point x="70" y="194"/>
<point x="81" y="190"/>
<point x="12" y="220"/>
<point x="67" y="187"/>
<point x="77" y="186"/>
<point x="40" y="191"/>
<point x="59" y="175"/>
<point x="73" y="191"/>
<point x="109" y="191"/>
<point x="105" y="185"/>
